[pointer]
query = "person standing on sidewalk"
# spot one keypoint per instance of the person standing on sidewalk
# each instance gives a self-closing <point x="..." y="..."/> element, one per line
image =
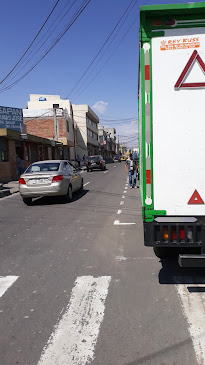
<point x="78" y="160"/>
<point x="131" y="170"/>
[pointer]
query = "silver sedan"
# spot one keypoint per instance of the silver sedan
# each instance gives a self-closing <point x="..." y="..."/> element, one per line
<point x="50" y="178"/>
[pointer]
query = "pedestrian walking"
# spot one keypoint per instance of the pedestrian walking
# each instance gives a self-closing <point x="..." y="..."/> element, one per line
<point x="131" y="170"/>
<point x="78" y="159"/>
<point x="84" y="160"/>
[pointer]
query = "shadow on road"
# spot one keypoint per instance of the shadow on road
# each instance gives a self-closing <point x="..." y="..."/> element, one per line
<point x="172" y="273"/>
<point x="163" y="352"/>
<point x="51" y="200"/>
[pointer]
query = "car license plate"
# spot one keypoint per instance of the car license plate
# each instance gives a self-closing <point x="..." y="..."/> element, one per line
<point x="38" y="181"/>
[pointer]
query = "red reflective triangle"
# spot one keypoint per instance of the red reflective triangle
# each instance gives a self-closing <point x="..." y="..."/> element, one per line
<point x="179" y="84"/>
<point x="195" y="198"/>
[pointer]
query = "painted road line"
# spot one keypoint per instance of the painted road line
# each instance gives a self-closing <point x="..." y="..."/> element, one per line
<point x="86" y="183"/>
<point x="122" y="202"/>
<point x="124" y="192"/>
<point x="105" y="172"/>
<point x="126" y="187"/>
<point x="192" y="298"/>
<point x="123" y="197"/>
<point x="119" y="211"/>
<point x="75" y="336"/>
<point x="117" y="223"/>
<point x="6" y="282"/>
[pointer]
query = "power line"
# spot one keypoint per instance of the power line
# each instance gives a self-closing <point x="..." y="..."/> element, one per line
<point x="77" y="95"/>
<point x="100" y="50"/>
<point x="74" y="18"/>
<point x="23" y="64"/>
<point x="30" y="43"/>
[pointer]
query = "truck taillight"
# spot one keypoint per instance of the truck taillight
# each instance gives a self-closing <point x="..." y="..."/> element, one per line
<point x="170" y="22"/>
<point x="57" y="178"/>
<point x="174" y="234"/>
<point x="22" y="181"/>
<point x="165" y="233"/>
<point x="182" y="234"/>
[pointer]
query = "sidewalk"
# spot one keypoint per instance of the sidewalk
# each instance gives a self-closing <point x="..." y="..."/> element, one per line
<point x="11" y="187"/>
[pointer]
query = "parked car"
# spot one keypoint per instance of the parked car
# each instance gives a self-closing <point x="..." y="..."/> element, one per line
<point x="50" y="178"/>
<point x="95" y="162"/>
<point x="116" y="158"/>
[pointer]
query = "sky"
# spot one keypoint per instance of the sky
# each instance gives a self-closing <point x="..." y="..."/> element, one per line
<point x="110" y="84"/>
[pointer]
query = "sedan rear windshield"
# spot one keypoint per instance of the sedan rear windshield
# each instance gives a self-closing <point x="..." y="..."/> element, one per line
<point x="38" y="167"/>
<point x="93" y="159"/>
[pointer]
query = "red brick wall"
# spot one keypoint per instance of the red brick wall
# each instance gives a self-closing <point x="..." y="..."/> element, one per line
<point x="45" y="127"/>
<point x="62" y="128"/>
<point x="40" y="127"/>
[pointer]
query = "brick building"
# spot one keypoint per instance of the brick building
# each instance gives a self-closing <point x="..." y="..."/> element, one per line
<point x="54" y="124"/>
<point x="33" y="148"/>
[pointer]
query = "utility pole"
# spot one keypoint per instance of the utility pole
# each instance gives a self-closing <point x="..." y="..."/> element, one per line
<point x="56" y="126"/>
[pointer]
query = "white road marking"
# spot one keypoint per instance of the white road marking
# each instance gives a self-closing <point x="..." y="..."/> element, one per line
<point x="119" y="211"/>
<point x="114" y="166"/>
<point x="122" y="202"/>
<point x="123" y="197"/>
<point x="193" y="304"/>
<point x="124" y="192"/>
<point x="86" y="183"/>
<point x="126" y="187"/>
<point x="6" y="282"/>
<point x="75" y="337"/>
<point x="105" y="172"/>
<point x="117" y="223"/>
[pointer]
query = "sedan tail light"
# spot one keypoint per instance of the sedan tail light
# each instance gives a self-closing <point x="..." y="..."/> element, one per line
<point x="100" y="162"/>
<point x="86" y="163"/>
<point x="22" y="181"/>
<point x="57" y="178"/>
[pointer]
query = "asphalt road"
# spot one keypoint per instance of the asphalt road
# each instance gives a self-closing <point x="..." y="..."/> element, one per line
<point x="78" y="286"/>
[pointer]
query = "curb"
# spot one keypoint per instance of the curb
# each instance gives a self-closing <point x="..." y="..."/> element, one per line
<point x="4" y="192"/>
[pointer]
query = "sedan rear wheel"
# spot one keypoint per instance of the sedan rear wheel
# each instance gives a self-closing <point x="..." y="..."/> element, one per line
<point x="69" y="195"/>
<point x="27" y="201"/>
<point x="81" y="186"/>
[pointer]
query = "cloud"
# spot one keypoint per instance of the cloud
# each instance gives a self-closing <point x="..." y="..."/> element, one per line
<point x="100" y="106"/>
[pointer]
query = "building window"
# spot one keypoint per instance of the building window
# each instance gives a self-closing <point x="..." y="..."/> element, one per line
<point x="3" y="150"/>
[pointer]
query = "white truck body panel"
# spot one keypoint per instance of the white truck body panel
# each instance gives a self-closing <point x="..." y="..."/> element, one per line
<point x="178" y="127"/>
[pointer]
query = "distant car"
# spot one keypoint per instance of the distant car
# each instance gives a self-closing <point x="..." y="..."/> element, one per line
<point x="116" y="158"/>
<point x="50" y="178"/>
<point x="123" y="158"/>
<point x="95" y="162"/>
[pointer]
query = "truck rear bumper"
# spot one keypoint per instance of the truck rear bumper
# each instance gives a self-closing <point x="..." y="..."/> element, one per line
<point x="191" y="260"/>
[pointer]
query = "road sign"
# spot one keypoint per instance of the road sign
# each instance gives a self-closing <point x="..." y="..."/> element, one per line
<point x="11" y="118"/>
<point x="179" y="84"/>
<point x="195" y="198"/>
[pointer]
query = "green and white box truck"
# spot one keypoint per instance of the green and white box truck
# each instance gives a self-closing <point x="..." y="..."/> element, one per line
<point x="172" y="129"/>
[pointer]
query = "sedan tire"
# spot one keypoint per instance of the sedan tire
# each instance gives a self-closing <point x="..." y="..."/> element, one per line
<point x="27" y="201"/>
<point x="69" y="195"/>
<point x="81" y="187"/>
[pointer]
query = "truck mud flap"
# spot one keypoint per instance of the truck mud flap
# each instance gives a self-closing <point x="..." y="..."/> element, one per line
<point x="191" y="260"/>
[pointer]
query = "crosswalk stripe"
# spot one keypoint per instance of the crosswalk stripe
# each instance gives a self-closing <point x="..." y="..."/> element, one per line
<point x="192" y="298"/>
<point x="6" y="282"/>
<point x="75" y="336"/>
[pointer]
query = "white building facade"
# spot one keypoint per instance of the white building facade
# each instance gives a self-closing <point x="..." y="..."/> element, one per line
<point x="86" y="123"/>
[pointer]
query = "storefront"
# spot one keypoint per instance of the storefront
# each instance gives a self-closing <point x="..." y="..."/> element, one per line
<point x="18" y="151"/>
